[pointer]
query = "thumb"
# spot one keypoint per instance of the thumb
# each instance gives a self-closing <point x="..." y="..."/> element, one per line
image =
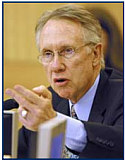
<point x="42" y="91"/>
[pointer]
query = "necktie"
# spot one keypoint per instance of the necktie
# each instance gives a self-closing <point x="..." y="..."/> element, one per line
<point x="66" y="152"/>
<point x="73" y="113"/>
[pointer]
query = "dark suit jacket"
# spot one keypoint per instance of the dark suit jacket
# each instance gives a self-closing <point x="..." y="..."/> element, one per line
<point x="105" y="125"/>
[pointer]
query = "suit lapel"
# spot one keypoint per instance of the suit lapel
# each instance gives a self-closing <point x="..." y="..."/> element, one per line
<point x="99" y="103"/>
<point x="60" y="104"/>
<point x="63" y="107"/>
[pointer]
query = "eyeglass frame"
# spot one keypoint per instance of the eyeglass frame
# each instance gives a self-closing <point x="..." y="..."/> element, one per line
<point x="61" y="51"/>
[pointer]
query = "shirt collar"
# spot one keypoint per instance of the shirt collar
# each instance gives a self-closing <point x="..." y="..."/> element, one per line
<point x="83" y="106"/>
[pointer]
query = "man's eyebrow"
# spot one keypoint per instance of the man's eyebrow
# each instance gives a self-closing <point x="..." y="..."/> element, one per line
<point x="65" y="46"/>
<point x="45" y="49"/>
<point x="60" y="48"/>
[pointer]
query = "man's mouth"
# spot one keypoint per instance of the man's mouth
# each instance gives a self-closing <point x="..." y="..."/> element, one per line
<point x="60" y="81"/>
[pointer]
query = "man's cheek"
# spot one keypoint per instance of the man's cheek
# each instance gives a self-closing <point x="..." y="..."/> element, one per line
<point x="49" y="77"/>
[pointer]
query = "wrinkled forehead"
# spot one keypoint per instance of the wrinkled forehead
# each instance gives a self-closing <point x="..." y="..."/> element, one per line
<point x="61" y="31"/>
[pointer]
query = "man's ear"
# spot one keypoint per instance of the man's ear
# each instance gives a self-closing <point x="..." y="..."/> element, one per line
<point x="97" y="53"/>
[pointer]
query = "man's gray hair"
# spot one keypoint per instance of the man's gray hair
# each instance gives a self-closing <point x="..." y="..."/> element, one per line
<point x="92" y="31"/>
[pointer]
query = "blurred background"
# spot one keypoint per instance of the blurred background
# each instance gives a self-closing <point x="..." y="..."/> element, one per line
<point x="20" y="52"/>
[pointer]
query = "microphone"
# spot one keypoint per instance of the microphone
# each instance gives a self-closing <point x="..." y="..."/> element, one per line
<point x="10" y="104"/>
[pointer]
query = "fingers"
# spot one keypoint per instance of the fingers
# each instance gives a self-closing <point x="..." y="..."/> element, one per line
<point x="27" y="121"/>
<point x="28" y="98"/>
<point x="32" y="120"/>
<point x="21" y="111"/>
<point x="20" y="99"/>
<point x="37" y="103"/>
<point x="31" y="96"/>
<point x="42" y="90"/>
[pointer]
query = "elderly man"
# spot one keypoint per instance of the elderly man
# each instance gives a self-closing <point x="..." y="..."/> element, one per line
<point x="69" y="42"/>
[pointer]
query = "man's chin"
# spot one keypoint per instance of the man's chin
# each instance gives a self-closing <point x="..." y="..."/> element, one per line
<point x="63" y="94"/>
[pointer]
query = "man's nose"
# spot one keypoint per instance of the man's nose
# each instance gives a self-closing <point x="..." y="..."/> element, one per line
<point x="57" y="64"/>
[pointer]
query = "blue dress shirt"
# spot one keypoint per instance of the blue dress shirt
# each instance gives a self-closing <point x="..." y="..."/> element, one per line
<point x="76" y="136"/>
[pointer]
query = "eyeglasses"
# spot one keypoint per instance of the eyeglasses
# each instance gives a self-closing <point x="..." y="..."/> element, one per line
<point x="68" y="52"/>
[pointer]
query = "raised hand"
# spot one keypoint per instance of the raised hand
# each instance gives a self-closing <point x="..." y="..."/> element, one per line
<point x="37" y="103"/>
